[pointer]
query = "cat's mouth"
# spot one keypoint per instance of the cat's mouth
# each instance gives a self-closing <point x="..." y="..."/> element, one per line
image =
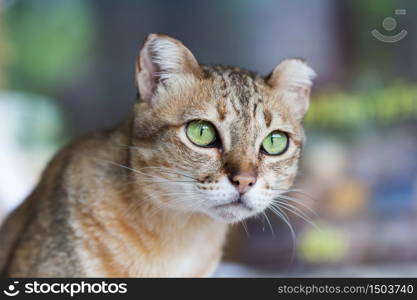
<point x="234" y="209"/>
<point x="239" y="202"/>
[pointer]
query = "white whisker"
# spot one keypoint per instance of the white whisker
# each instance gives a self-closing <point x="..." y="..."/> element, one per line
<point x="245" y="227"/>
<point x="298" y="201"/>
<point x="284" y="217"/>
<point x="296" y="211"/>
<point x="269" y="223"/>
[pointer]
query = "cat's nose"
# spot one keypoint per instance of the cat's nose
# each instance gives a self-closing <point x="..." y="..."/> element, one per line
<point x="243" y="182"/>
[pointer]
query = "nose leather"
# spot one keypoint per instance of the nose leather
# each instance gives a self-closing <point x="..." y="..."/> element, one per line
<point x="243" y="181"/>
<point x="241" y="170"/>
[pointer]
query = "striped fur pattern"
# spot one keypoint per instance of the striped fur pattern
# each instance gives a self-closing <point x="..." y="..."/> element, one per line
<point x="141" y="200"/>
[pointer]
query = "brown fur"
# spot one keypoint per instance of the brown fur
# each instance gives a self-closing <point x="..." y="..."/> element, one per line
<point x="141" y="200"/>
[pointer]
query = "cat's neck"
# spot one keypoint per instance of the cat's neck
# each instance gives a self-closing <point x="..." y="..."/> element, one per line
<point x="155" y="242"/>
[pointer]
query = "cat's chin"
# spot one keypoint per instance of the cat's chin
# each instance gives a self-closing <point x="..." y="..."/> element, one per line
<point x="231" y="213"/>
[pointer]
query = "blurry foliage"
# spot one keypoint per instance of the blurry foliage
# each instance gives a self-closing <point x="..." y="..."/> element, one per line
<point x="36" y="118"/>
<point x="45" y="122"/>
<point x="4" y="54"/>
<point x="354" y="110"/>
<point x="49" y="39"/>
<point x="327" y="245"/>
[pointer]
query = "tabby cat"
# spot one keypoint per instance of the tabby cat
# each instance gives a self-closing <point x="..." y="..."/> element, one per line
<point x="205" y="146"/>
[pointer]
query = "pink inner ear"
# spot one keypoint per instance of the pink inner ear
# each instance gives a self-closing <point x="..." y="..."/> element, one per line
<point x="160" y="58"/>
<point x="148" y="75"/>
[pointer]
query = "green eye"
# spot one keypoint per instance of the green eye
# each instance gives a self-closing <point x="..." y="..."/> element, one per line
<point x="201" y="133"/>
<point x="275" y="143"/>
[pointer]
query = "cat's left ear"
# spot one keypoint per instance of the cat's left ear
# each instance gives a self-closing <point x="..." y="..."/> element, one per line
<point x="160" y="60"/>
<point x="293" y="77"/>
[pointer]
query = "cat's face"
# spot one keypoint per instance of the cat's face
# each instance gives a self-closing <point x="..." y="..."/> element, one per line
<point x="215" y="139"/>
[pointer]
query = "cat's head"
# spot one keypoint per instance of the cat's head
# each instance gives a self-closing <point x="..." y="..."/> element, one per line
<point x="213" y="139"/>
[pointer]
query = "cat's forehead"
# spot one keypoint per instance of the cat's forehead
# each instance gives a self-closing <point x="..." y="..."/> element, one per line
<point x="243" y="96"/>
<point x="241" y="83"/>
<point x="238" y="92"/>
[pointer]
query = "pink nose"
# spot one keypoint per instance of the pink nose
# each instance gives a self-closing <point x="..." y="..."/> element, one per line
<point x="243" y="182"/>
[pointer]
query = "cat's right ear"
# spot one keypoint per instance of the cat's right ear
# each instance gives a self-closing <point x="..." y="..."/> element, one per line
<point x="160" y="60"/>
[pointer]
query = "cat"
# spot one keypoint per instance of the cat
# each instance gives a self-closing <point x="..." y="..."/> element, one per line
<point x="205" y="146"/>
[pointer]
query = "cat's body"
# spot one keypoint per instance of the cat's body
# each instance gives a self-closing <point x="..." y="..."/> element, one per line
<point x="144" y="200"/>
<point x="77" y="223"/>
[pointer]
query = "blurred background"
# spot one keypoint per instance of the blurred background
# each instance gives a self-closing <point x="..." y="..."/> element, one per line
<point x="67" y="67"/>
